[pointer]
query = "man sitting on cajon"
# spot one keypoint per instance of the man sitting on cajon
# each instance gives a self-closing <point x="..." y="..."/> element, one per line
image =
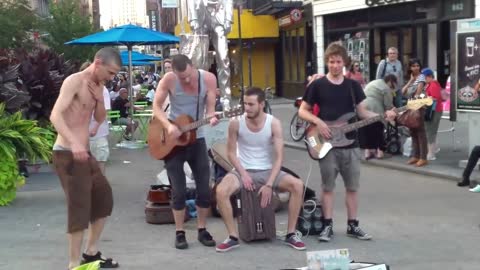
<point x="252" y="139"/>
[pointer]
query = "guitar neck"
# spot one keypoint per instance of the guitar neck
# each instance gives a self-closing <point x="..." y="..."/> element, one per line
<point x="199" y="123"/>
<point x="366" y="122"/>
<point x="359" y="124"/>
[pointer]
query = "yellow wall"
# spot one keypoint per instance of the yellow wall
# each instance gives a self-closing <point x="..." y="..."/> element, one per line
<point x="263" y="67"/>
<point x="262" y="26"/>
<point x="263" y="55"/>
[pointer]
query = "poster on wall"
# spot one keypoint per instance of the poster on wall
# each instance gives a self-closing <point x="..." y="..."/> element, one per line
<point x="357" y="45"/>
<point x="468" y="70"/>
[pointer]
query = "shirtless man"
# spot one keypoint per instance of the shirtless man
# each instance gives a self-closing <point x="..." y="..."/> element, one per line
<point x="191" y="92"/>
<point x="87" y="191"/>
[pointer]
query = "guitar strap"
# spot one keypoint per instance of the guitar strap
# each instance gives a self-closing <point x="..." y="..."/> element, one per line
<point x="199" y="92"/>
<point x="352" y="94"/>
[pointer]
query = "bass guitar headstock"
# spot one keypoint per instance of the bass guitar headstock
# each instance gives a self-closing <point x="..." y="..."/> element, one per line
<point x="235" y="111"/>
<point x="415" y="104"/>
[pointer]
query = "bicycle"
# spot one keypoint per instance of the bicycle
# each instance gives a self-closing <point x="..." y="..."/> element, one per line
<point x="297" y="125"/>
<point x="268" y="97"/>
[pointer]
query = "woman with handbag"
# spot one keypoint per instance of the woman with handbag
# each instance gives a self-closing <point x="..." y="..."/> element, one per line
<point x="414" y="88"/>
<point x="433" y="90"/>
<point x="379" y="99"/>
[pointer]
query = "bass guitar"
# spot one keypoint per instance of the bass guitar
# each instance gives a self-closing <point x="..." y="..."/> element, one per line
<point x="318" y="147"/>
<point x="161" y="145"/>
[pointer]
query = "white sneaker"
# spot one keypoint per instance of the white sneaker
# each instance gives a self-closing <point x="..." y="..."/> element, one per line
<point x="433" y="157"/>
<point x="475" y="189"/>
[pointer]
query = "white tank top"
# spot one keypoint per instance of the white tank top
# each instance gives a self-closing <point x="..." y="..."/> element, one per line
<point x="254" y="149"/>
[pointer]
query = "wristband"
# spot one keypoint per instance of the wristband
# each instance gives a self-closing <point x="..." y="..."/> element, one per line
<point x="269" y="186"/>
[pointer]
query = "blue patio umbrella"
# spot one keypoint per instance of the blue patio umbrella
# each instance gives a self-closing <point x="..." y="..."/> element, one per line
<point x="128" y="35"/>
<point x="138" y="58"/>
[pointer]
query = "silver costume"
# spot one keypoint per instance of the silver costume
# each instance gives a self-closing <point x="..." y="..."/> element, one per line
<point x="211" y="19"/>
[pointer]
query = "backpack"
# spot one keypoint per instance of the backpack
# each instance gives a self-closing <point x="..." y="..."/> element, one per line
<point x="384" y="68"/>
<point x="444" y="94"/>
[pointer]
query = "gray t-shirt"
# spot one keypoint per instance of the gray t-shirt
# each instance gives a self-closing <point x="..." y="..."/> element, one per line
<point x="394" y="68"/>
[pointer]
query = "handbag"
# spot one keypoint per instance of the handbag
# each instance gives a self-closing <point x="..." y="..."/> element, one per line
<point x="430" y="110"/>
<point x="410" y="118"/>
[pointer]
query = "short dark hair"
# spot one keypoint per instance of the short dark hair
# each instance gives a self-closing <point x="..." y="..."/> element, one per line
<point x="256" y="91"/>
<point x="180" y="62"/>
<point x="390" y="78"/>
<point x="109" y="55"/>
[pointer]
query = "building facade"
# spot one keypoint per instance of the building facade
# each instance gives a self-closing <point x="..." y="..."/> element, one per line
<point x="40" y="7"/>
<point x="91" y="8"/>
<point x="367" y="28"/>
<point x="252" y="51"/>
<point x="120" y="12"/>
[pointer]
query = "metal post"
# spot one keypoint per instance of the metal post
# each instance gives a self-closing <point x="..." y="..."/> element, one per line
<point x="240" y="52"/>
<point x="130" y="75"/>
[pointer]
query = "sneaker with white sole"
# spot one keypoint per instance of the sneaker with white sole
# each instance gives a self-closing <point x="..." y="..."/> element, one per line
<point x="295" y="242"/>
<point x="353" y="230"/>
<point x="227" y="245"/>
<point x="432" y="157"/>
<point x="326" y="233"/>
<point x="475" y="189"/>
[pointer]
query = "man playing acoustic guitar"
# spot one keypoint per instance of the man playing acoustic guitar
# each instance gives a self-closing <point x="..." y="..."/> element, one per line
<point x="336" y="95"/>
<point x="191" y="92"/>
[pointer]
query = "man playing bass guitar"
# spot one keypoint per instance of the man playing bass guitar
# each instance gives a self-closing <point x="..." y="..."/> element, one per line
<point x="336" y="95"/>
<point x="191" y="92"/>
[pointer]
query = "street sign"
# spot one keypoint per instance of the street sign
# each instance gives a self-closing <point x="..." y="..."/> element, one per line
<point x="296" y="15"/>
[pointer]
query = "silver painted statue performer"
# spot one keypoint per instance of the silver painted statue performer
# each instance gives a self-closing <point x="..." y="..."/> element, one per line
<point x="213" y="18"/>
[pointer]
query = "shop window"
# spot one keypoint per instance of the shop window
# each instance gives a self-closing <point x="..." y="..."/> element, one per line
<point x="357" y="46"/>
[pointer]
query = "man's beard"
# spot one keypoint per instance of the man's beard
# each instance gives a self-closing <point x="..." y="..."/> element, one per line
<point x="254" y="116"/>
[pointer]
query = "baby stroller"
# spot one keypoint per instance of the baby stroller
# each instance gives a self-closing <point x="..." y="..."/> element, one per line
<point x="395" y="136"/>
<point x="392" y="139"/>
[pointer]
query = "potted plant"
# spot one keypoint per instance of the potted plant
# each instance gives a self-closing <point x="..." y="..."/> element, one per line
<point x="19" y="138"/>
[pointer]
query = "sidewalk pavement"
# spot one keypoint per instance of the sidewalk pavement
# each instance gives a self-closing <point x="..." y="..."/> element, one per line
<point x="453" y="147"/>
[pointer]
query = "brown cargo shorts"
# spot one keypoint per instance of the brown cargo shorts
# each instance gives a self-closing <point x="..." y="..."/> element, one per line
<point x="87" y="191"/>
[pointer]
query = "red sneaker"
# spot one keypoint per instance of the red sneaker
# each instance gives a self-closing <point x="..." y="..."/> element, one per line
<point x="295" y="242"/>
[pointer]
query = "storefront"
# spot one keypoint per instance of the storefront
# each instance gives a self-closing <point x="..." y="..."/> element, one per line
<point x="367" y="28"/>
<point x="296" y="53"/>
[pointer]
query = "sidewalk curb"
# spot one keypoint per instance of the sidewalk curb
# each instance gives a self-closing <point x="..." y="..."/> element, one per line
<point x="394" y="165"/>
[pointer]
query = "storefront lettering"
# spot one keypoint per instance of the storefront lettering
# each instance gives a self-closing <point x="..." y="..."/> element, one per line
<point x="372" y="3"/>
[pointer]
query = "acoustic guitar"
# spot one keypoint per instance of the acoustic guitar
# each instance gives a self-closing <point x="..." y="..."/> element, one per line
<point x="318" y="147"/>
<point x="161" y="145"/>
